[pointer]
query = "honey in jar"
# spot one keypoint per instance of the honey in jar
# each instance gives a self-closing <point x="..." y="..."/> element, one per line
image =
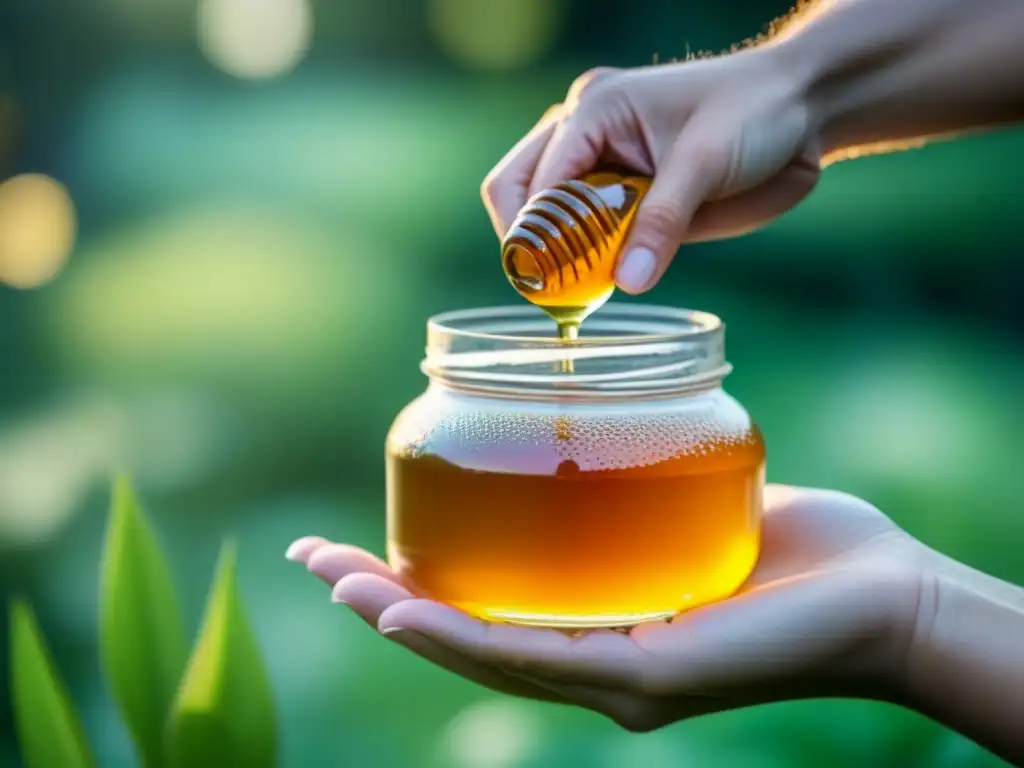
<point x="625" y="491"/>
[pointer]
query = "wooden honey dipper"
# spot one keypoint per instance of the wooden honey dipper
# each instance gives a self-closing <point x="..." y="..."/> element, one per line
<point x="560" y="252"/>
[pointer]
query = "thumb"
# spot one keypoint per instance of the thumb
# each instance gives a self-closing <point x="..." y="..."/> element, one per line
<point x="696" y="169"/>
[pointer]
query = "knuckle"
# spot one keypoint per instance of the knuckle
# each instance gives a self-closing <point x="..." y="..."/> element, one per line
<point x="487" y="186"/>
<point x="589" y="81"/>
<point x="490" y="187"/>
<point x="661" y="220"/>
<point x="710" y="156"/>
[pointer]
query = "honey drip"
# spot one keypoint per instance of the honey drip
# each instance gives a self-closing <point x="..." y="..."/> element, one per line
<point x="561" y="251"/>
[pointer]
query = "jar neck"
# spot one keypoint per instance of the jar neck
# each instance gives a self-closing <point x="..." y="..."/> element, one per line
<point x="446" y="387"/>
<point x="625" y="352"/>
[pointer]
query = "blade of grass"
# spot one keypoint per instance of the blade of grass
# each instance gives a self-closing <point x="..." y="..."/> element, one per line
<point x="49" y="733"/>
<point x="224" y="713"/>
<point x="142" y="637"/>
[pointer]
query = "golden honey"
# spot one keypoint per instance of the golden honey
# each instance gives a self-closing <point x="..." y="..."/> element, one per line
<point x="603" y="547"/>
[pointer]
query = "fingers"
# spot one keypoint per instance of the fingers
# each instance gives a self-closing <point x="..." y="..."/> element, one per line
<point x="504" y="190"/>
<point x="578" y="140"/>
<point x="301" y="549"/>
<point x="366" y="585"/>
<point x="370" y="595"/>
<point x="601" y="657"/>
<point x="333" y="562"/>
<point x="575" y="148"/>
<point x="759" y="645"/>
<point x="471" y="669"/>
<point x="696" y="167"/>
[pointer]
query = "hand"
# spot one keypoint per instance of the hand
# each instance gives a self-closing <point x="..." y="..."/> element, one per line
<point x="830" y="610"/>
<point x="729" y="142"/>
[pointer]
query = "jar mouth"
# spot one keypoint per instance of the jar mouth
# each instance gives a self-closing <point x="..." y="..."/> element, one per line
<point x="623" y="350"/>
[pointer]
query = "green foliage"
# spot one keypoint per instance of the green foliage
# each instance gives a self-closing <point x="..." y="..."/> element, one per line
<point x="142" y="635"/>
<point x="220" y="713"/>
<point x="224" y="713"/>
<point x="48" y="730"/>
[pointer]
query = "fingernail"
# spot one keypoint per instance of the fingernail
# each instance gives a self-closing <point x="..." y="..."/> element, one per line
<point x="636" y="270"/>
<point x="300" y="549"/>
<point x="398" y="634"/>
<point x="320" y="564"/>
<point x="338" y="593"/>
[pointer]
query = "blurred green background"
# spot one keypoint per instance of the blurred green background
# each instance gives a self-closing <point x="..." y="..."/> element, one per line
<point x="245" y="210"/>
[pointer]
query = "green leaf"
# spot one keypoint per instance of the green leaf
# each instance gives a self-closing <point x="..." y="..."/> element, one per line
<point x="142" y="637"/>
<point x="49" y="733"/>
<point x="224" y="712"/>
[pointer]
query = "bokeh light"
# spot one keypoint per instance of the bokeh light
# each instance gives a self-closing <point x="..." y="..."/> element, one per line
<point x="902" y="416"/>
<point x="37" y="230"/>
<point x="223" y="292"/>
<point x="495" y="34"/>
<point x="168" y="439"/>
<point x="255" y="38"/>
<point x="47" y="461"/>
<point x="651" y="750"/>
<point x="492" y="734"/>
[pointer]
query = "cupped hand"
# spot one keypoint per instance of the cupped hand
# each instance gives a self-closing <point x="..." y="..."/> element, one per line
<point x="730" y="142"/>
<point x="830" y="610"/>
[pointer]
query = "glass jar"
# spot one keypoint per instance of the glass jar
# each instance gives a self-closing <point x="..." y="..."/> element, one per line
<point x="625" y="491"/>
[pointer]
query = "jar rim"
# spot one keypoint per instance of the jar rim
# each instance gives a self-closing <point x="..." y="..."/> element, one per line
<point x="688" y="322"/>
<point x="624" y="350"/>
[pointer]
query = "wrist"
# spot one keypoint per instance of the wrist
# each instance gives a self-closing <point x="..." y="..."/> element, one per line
<point x="833" y="80"/>
<point x="877" y="75"/>
<point x="881" y="602"/>
<point x="804" y="69"/>
<point x="965" y="662"/>
<point x="904" y="591"/>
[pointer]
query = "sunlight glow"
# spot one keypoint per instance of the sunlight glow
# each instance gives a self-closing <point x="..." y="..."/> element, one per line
<point x="37" y="230"/>
<point x="255" y="39"/>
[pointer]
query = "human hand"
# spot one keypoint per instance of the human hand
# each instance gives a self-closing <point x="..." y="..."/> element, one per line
<point x="830" y="610"/>
<point x="729" y="141"/>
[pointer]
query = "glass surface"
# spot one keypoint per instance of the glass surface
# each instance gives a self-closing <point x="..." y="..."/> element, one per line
<point x="625" y="492"/>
